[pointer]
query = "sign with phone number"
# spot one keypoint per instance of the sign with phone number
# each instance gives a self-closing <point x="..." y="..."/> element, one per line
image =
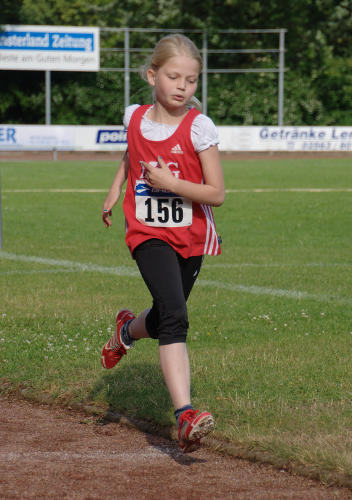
<point x="285" y="138"/>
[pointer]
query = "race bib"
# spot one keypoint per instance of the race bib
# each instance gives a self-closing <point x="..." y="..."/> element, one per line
<point x="159" y="208"/>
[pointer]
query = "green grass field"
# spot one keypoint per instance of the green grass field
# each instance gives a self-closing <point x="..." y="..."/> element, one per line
<point x="270" y="337"/>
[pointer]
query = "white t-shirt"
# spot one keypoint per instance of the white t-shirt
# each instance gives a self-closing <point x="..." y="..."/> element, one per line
<point x="203" y="131"/>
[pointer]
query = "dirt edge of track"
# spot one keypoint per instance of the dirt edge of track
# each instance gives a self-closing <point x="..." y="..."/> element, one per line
<point x="224" y="447"/>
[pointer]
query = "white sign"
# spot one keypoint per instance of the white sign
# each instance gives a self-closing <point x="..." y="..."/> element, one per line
<point x="49" y="48"/>
<point x="63" y="137"/>
<point x="302" y="138"/>
<point x="114" y="138"/>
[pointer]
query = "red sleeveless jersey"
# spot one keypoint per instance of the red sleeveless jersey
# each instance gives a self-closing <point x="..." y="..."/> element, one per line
<point x="153" y="213"/>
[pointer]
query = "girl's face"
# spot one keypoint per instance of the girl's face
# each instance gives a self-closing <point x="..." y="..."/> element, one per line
<point x="175" y="82"/>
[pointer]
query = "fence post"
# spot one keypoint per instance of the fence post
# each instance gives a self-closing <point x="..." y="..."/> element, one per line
<point x="47" y="97"/>
<point x="127" y="67"/>
<point x="205" y="74"/>
<point x="0" y="216"/>
<point x="281" y="78"/>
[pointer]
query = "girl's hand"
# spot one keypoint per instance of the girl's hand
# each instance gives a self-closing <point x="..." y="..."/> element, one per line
<point x="210" y="192"/>
<point x="115" y="190"/>
<point x="106" y="213"/>
<point x="161" y="178"/>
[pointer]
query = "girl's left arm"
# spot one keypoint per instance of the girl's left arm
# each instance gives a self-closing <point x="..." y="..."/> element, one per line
<point x="115" y="191"/>
<point x="212" y="192"/>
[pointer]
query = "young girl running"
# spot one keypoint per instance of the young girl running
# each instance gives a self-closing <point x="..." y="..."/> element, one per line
<point x="174" y="176"/>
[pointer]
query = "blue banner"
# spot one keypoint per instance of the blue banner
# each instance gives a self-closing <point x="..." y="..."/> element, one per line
<point x="42" y="40"/>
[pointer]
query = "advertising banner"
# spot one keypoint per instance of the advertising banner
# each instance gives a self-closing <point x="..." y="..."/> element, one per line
<point x="49" y="48"/>
<point x="285" y="138"/>
<point x="114" y="138"/>
<point x="62" y="137"/>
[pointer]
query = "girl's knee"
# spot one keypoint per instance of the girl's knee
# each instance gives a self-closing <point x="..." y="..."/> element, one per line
<point x="169" y="326"/>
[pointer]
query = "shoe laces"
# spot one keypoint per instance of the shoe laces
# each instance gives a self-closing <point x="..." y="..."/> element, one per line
<point x="118" y="349"/>
<point x="188" y="415"/>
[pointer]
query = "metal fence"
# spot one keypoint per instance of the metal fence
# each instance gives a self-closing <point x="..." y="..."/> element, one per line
<point x="126" y="50"/>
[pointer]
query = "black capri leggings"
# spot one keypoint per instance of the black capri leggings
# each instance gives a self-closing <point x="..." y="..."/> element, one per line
<point x="169" y="278"/>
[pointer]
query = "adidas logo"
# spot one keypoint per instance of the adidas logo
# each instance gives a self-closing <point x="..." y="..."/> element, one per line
<point x="177" y="150"/>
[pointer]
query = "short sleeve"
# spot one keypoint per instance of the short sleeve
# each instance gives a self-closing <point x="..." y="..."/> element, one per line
<point x="128" y="113"/>
<point x="204" y="133"/>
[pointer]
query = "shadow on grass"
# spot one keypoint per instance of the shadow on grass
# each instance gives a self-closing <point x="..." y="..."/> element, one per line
<point x="135" y="389"/>
<point x="138" y="398"/>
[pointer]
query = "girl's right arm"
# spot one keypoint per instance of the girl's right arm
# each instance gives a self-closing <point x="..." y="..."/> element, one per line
<point x="115" y="190"/>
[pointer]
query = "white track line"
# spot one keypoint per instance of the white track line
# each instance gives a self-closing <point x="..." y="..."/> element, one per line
<point x="35" y="190"/>
<point x="129" y="271"/>
<point x="254" y="190"/>
<point x="283" y="265"/>
<point x="142" y="456"/>
<point x="36" y="271"/>
<point x="291" y="190"/>
<point x="275" y="292"/>
<point x="71" y="265"/>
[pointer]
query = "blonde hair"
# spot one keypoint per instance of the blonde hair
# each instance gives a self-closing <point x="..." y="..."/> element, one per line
<point x="171" y="46"/>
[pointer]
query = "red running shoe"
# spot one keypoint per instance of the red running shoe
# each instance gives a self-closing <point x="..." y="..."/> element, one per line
<point x="192" y="426"/>
<point x="114" y="349"/>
